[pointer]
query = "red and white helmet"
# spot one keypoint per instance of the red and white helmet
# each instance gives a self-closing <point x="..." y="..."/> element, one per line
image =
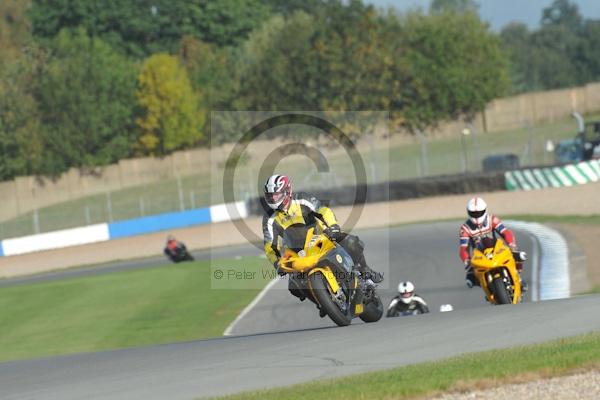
<point x="278" y="192"/>
<point x="477" y="210"/>
<point x="406" y="291"/>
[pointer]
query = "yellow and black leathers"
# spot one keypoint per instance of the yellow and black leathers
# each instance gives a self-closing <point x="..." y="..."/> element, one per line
<point x="304" y="209"/>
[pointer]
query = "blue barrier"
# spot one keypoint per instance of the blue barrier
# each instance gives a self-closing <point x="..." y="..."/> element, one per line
<point x="132" y="227"/>
<point x="160" y="222"/>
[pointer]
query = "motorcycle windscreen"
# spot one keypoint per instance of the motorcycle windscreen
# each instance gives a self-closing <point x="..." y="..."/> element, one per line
<point x="294" y="237"/>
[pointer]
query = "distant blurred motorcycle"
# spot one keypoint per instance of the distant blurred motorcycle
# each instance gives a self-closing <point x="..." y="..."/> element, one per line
<point x="176" y="250"/>
<point x="407" y="302"/>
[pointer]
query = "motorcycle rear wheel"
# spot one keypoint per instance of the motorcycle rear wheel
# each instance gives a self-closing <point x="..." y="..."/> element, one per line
<point x="319" y="288"/>
<point x="499" y="290"/>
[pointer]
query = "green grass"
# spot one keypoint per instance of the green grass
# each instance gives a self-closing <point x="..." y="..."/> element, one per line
<point x="560" y="219"/>
<point x="398" y="162"/>
<point x="478" y="369"/>
<point x="121" y="309"/>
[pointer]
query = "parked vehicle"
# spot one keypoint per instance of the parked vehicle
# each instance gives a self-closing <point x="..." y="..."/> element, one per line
<point x="500" y="162"/>
<point x="585" y="146"/>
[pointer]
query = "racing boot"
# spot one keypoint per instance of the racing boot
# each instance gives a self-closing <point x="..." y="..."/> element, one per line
<point x="322" y="312"/>
<point x="519" y="264"/>
<point x="524" y="287"/>
<point x="471" y="280"/>
<point x="367" y="272"/>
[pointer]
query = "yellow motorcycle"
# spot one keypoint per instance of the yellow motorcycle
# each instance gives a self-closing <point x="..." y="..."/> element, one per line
<point x="324" y="272"/>
<point x="495" y="268"/>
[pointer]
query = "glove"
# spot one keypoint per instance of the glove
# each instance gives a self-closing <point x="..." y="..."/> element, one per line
<point x="280" y="272"/>
<point x="468" y="267"/>
<point x="334" y="232"/>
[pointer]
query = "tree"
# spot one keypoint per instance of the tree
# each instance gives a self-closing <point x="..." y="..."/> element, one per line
<point x="141" y="28"/>
<point x="276" y="66"/>
<point x="555" y="55"/>
<point x="562" y="12"/>
<point x="553" y="51"/>
<point x="86" y="98"/>
<point x="14" y="28"/>
<point x="170" y="116"/>
<point x="524" y="57"/>
<point x="224" y="22"/>
<point x="456" y="67"/>
<point x="288" y="7"/>
<point x="588" y="62"/>
<point x="21" y="148"/>
<point x="455" y="6"/>
<point x="211" y="70"/>
<point x="336" y="61"/>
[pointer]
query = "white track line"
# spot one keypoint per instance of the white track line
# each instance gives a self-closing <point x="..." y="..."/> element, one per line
<point x="250" y="306"/>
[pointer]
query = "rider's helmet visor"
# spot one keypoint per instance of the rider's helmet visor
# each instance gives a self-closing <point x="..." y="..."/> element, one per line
<point x="476" y="214"/>
<point x="274" y="198"/>
<point x="407" y="295"/>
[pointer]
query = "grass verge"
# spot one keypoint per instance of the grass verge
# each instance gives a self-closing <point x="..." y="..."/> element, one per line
<point x="558" y="219"/>
<point x="478" y="370"/>
<point x="121" y="309"/>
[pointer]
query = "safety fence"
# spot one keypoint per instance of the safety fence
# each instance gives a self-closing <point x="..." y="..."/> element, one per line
<point x="115" y="230"/>
<point x="524" y="179"/>
<point x="558" y="176"/>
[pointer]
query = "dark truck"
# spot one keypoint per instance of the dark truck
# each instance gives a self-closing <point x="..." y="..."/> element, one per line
<point x="585" y="146"/>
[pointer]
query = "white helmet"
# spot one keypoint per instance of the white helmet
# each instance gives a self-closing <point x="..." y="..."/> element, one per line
<point x="477" y="210"/>
<point x="407" y="291"/>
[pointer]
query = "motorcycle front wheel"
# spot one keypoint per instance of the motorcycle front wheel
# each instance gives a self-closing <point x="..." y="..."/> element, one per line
<point x="319" y="287"/>
<point x="500" y="293"/>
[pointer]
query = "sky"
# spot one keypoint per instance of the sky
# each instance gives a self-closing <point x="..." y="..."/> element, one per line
<point x="500" y="12"/>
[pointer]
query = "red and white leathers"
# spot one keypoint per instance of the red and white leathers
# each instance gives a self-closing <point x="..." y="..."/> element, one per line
<point x="471" y="234"/>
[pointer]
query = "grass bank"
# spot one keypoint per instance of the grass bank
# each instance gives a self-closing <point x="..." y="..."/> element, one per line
<point x="476" y="370"/>
<point x="558" y="219"/>
<point x="176" y="302"/>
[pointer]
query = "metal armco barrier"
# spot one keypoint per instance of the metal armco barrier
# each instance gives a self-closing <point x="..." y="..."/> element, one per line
<point x="115" y="230"/>
<point x="400" y="190"/>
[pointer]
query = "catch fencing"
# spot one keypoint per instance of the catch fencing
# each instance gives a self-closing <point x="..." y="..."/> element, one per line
<point x="527" y="126"/>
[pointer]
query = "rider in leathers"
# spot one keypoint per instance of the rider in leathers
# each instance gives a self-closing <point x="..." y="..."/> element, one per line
<point x="287" y="208"/>
<point x="407" y="302"/>
<point x="481" y="224"/>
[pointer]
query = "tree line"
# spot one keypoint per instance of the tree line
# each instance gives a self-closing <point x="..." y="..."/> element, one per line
<point x="85" y="83"/>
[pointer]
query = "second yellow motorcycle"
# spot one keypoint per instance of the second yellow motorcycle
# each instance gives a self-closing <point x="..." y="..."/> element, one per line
<point x="495" y="269"/>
